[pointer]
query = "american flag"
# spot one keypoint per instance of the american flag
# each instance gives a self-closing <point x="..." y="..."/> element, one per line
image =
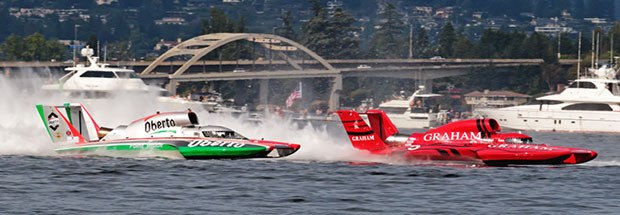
<point x="296" y="94"/>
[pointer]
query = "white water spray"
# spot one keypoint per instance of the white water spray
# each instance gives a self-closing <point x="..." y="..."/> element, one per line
<point x="317" y="144"/>
<point x="21" y="129"/>
<point x="22" y="132"/>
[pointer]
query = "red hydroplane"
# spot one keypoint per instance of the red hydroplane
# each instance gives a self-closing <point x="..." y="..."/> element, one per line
<point x="477" y="140"/>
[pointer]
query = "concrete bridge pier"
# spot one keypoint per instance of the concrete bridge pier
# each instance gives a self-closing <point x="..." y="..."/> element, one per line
<point x="263" y="91"/>
<point x="428" y="84"/>
<point x="334" y="98"/>
<point x="172" y="87"/>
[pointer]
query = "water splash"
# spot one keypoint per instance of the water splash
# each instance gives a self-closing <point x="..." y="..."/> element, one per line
<point x="320" y="143"/>
<point x="23" y="133"/>
<point x="602" y="163"/>
<point x="21" y="130"/>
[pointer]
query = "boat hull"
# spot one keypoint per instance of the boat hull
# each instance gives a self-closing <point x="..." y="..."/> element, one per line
<point x="494" y="154"/>
<point x="182" y="148"/>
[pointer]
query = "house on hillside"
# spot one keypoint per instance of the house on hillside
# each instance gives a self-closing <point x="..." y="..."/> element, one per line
<point x="170" y="21"/>
<point x="166" y="45"/>
<point x="495" y="99"/>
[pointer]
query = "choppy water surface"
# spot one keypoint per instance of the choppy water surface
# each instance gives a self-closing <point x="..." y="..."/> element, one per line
<point x="319" y="179"/>
<point x="145" y="186"/>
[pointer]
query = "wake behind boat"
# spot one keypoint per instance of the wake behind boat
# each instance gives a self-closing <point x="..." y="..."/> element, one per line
<point x="174" y="134"/>
<point x="589" y="104"/>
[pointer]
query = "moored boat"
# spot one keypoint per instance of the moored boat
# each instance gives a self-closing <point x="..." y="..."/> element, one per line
<point x="415" y="112"/>
<point x="589" y="104"/>
<point x="100" y="81"/>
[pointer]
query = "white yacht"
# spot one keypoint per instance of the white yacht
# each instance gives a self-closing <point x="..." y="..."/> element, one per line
<point x="589" y="104"/>
<point x="414" y="112"/>
<point x="97" y="81"/>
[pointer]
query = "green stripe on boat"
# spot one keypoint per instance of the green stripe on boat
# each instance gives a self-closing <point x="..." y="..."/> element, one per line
<point x="41" y="113"/>
<point x="216" y="151"/>
<point x="127" y="147"/>
<point x="164" y="131"/>
<point x="68" y="110"/>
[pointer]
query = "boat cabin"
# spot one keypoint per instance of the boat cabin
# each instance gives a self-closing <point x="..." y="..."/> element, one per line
<point x="609" y="85"/>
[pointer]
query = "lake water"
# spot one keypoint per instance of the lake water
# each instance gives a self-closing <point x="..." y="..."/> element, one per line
<point x="322" y="178"/>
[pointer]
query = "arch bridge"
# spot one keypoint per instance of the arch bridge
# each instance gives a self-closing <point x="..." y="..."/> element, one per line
<point x="198" y="47"/>
<point x="183" y="63"/>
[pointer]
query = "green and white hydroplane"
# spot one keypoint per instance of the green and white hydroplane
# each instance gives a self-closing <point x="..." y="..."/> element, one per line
<point x="171" y="134"/>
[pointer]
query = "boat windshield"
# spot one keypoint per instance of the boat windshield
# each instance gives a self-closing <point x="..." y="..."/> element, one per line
<point x="582" y="84"/>
<point x="98" y="74"/>
<point x="223" y="134"/>
<point x="588" y="107"/>
<point x="66" y="77"/>
<point x="126" y="74"/>
<point x="519" y="140"/>
<point x="394" y="110"/>
<point x="420" y="109"/>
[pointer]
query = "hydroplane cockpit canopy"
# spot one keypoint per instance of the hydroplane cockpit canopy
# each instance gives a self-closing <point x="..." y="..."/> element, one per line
<point x="519" y="140"/>
<point x="220" y="132"/>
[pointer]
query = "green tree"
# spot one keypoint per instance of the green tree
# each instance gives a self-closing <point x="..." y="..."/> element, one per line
<point x="240" y="25"/>
<point x="217" y="22"/>
<point x="119" y="28"/>
<point x="119" y="50"/>
<point x="463" y="48"/>
<point x="13" y="47"/>
<point x="332" y="37"/>
<point x="538" y="46"/>
<point x="388" y="38"/>
<point x="287" y="30"/>
<point x="31" y="48"/>
<point x="55" y="50"/>
<point x="615" y="31"/>
<point x="422" y="45"/>
<point x="242" y="49"/>
<point x="315" y="34"/>
<point x="513" y="45"/>
<point x="34" y="47"/>
<point x="488" y="45"/>
<point x="552" y="74"/>
<point x="447" y="39"/>
<point x="345" y="42"/>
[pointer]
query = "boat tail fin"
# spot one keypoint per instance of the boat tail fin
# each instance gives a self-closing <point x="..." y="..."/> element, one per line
<point x="381" y="124"/>
<point x="360" y="134"/>
<point x="81" y="119"/>
<point x="70" y="122"/>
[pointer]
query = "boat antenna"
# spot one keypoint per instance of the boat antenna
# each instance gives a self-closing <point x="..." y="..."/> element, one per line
<point x="559" y="44"/>
<point x="598" y="48"/>
<point x="593" y="39"/>
<point x="611" y="47"/>
<point x="579" y="57"/>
